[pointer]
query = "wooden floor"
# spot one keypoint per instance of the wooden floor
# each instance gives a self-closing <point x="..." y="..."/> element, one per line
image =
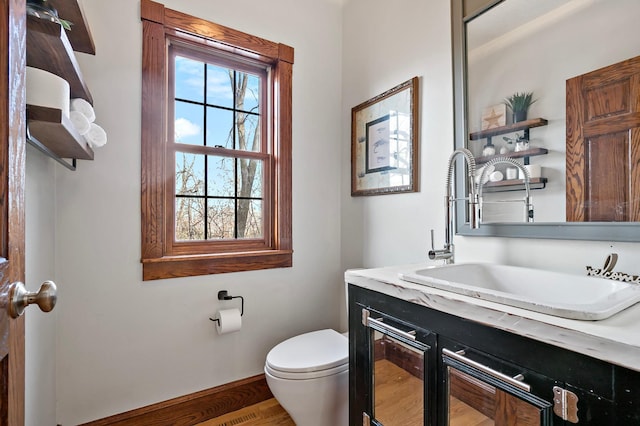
<point x="398" y="395"/>
<point x="398" y="403"/>
<point x="265" y="413"/>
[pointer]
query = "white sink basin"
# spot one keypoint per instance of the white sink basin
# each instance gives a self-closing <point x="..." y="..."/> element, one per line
<point x="552" y="293"/>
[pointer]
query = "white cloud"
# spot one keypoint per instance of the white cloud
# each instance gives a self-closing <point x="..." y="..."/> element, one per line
<point x="185" y="128"/>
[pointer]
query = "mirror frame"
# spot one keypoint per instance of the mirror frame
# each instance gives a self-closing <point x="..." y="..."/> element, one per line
<point x="462" y="11"/>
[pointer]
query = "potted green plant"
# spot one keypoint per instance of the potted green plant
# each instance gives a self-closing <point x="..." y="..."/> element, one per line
<point x="519" y="104"/>
<point x="41" y="9"/>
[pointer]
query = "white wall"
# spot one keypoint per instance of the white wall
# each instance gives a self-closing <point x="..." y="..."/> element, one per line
<point x="40" y="328"/>
<point x="386" y="43"/>
<point x="123" y="343"/>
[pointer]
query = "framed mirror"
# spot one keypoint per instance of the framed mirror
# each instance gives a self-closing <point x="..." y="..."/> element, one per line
<point x="505" y="47"/>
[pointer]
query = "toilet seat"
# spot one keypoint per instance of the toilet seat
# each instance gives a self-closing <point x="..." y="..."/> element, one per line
<point x="310" y="355"/>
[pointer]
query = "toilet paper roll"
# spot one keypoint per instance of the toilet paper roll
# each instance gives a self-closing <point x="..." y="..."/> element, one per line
<point x="535" y="171"/>
<point x="229" y="320"/>
<point x="46" y="89"/>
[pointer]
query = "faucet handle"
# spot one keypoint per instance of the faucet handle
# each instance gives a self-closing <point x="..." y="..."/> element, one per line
<point x="446" y="253"/>
<point x="433" y="246"/>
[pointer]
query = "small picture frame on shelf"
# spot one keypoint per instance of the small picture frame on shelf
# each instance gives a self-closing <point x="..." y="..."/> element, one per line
<point x="494" y="116"/>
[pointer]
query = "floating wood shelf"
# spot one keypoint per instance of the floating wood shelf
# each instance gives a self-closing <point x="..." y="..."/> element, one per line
<point x="513" y="185"/>
<point x="79" y="35"/>
<point x="53" y="129"/>
<point x="515" y="127"/>
<point x="49" y="49"/>
<point x="520" y="154"/>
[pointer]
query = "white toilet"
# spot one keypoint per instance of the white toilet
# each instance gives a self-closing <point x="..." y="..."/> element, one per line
<point x="309" y="376"/>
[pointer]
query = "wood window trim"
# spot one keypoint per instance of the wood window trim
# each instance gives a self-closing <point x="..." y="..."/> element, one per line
<point x="157" y="23"/>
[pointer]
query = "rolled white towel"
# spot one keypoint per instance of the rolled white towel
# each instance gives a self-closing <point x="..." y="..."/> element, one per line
<point x="79" y="104"/>
<point x="96" y="136"/>
<point x="79" y="122"/>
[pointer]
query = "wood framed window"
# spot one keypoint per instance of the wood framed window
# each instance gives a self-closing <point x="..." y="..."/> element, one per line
<point x="216" y="148"/>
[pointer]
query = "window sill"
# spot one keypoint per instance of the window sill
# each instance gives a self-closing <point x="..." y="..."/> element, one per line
<point x="193" y="265"/>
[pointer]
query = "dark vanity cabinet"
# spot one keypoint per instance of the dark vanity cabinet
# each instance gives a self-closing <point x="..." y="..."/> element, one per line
<point x="412" y="365"/>
<point x="398" y="359"/>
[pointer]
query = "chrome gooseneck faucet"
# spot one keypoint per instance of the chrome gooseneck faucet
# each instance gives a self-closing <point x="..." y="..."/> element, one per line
<point x="475" y="200"/>
<point x="447" y="253"/>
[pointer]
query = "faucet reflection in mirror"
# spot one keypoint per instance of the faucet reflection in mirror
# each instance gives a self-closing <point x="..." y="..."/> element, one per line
<point x="528" y="206"/>
<point x="474" y="200"/>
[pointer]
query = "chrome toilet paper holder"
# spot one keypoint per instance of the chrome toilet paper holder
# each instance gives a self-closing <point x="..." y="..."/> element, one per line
<point x="224" y="295"/>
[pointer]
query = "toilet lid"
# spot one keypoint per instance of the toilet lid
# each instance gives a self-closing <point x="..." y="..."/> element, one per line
<point x="314" y="351"/>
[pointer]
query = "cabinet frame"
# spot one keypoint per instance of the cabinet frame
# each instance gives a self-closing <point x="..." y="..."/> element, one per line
<point x="606" y="392"/>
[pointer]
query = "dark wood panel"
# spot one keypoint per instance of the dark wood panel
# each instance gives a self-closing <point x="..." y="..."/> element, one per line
<point x="48" y="48"/>
<point x="54" y="130"/>
<point x="186" y="266"/>
<point x="152" y="153"/>
<point x="602" y="152"/>
<point x="183" y="22"/>
<point x="617" y="100"/>
<point x="12" y="164"/>
<point x="198" y="407"/>
<point x="80" y="34"/>
<point x="607" y="191"/>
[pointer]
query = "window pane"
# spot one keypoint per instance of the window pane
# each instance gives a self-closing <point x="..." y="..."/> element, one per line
<point x="249" y="219"/>
<point x="189" y="218"/>
<point x="220" y="176"/>
<point x="249" y="178"/>
<point x="221" y="219"/>
<point x="219" y="86"/>
<point x="219" y="127"/>
<point x="189" y="77"/>
<point x="247" y="132"/>
<point x="189" y="174"/>
<point x="248" y="92"/>
<point x="188" y="123"/>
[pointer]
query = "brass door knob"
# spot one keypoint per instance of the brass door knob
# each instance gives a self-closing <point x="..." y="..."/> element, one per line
<point x="20" y="298"/>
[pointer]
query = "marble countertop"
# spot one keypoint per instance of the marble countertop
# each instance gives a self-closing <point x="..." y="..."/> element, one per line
<point x="615" y="339"/>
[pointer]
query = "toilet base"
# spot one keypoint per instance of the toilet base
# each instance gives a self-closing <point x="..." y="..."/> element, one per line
<point x="313" y="402"/>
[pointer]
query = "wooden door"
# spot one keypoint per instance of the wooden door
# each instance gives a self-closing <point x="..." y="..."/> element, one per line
<point x="603" y="144"/>
<point x="12" y="177"/>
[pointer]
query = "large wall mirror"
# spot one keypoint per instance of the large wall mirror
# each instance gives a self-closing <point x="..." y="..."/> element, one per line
<point x="502" y="47"/>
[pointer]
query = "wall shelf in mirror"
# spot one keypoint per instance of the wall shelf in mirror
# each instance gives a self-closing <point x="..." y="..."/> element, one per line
<point x="519" y="154"/>
<point x="510" y="128"/>
<point x="514" y="185"/>
<point x="49" y="49"/>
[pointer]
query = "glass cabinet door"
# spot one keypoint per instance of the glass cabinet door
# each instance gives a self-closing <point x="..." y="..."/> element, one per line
<point x="398" y="368"/>
<point x="481" y="395"/>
